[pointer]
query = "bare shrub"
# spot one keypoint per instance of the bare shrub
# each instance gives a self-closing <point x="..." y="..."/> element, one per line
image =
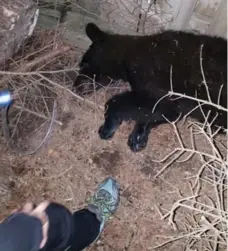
<point x="204" y="223"/>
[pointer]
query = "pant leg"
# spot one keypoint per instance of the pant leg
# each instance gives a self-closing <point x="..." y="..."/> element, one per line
<point x="86" y="229"/>
<point x="20" y="232"/>
<point x="77" y="231"/>
<point x="69" y="231"/>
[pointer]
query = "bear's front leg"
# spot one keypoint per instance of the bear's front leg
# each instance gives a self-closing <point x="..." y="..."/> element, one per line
<point x="111" y="124"/>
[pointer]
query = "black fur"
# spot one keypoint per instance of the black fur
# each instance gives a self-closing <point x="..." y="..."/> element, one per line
<point x="145" y="62"/>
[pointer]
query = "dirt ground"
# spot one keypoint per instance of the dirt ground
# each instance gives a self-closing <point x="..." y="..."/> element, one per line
<point x="75" y="160"/>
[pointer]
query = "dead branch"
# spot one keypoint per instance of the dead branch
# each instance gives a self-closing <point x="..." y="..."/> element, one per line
<point x="201" y="101"/>
<point x="38" y="60"/>
<point x="71" y="92"/>
<point x="203" y="75"/>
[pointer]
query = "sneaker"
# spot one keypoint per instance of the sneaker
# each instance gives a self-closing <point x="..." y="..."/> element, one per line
<point x="105" y="201"/>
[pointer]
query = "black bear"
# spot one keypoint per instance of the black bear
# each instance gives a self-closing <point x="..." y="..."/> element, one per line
<point x="153" y="65"/>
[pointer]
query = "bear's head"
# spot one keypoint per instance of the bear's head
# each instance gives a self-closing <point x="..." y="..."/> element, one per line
<point x="102" y="62"/>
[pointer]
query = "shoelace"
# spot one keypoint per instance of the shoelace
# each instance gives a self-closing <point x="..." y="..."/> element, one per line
<point x="103" y="201"/>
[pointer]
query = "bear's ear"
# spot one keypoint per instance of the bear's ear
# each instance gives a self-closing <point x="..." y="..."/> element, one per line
<point x="94" y="33"/>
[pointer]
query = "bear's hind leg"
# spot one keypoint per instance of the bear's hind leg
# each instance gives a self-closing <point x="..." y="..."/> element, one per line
<point x="136" y="106"/>
<point x="139" y="137"/>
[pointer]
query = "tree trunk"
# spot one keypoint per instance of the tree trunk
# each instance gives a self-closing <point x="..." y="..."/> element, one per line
<point x="18" y="19"/>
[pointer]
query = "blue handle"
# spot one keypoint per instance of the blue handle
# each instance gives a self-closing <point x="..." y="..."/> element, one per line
<point x="5" y="98"/>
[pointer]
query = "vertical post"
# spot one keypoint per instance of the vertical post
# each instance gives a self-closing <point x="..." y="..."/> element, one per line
<point x="182" y="13"/>
<point x="218" y="25"/>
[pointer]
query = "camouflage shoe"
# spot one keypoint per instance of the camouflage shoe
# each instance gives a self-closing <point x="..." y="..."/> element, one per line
<point x="105" y="201"/>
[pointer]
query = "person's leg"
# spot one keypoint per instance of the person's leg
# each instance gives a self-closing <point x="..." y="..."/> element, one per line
<point x="54" y="223"/>
<point x="86" y="229"/>
<point x="20" y="232"/>
<point x="25" y="229"/>
<point x="71" y="232"/>
<point x="89" y="222"/>
<point x="64" y="230"/>
<point x="76" y="232"/>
